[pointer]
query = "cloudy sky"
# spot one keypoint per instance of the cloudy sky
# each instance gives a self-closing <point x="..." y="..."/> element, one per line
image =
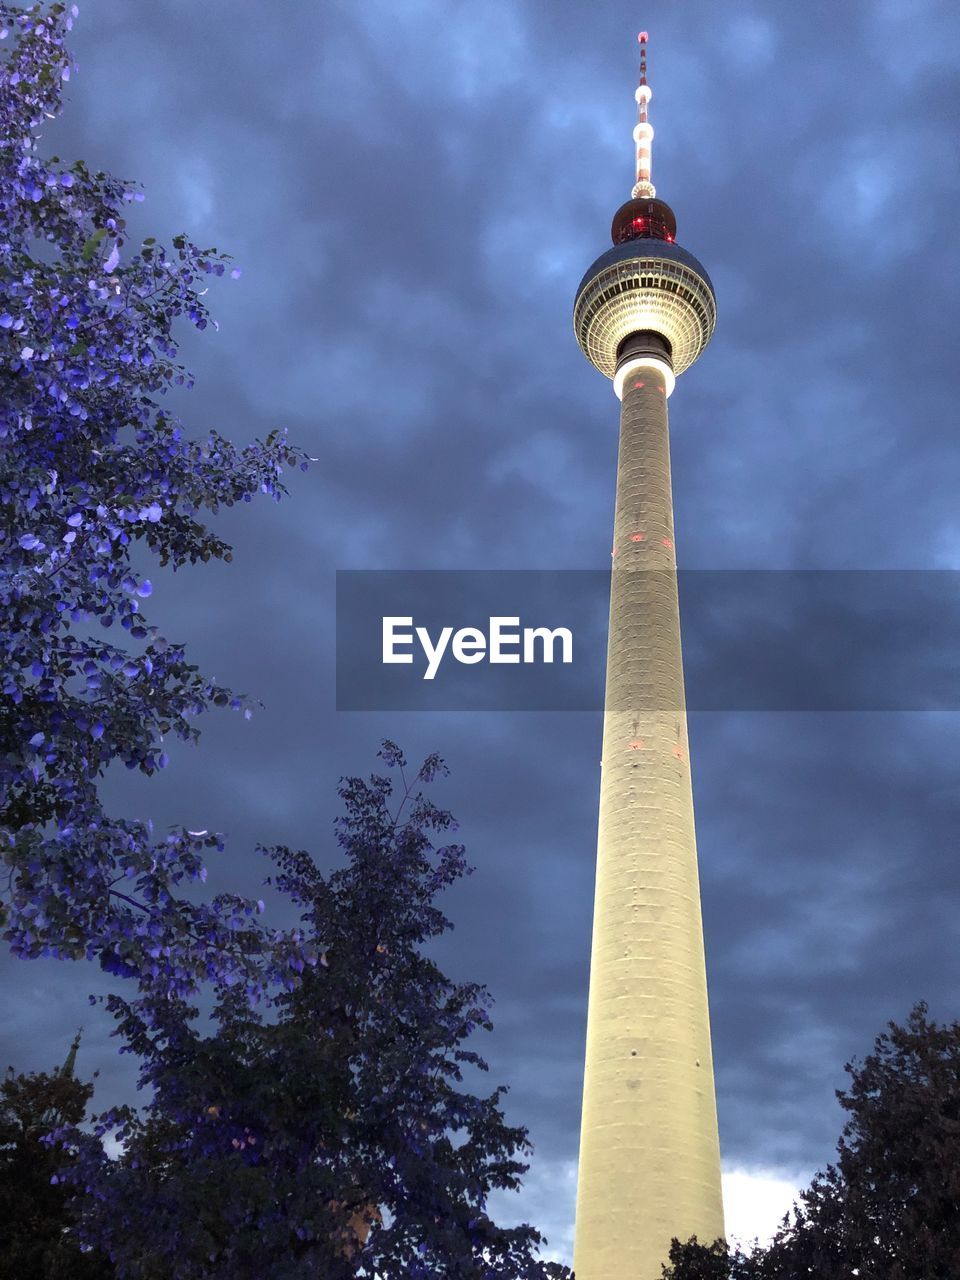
<point x="413" y="192"/>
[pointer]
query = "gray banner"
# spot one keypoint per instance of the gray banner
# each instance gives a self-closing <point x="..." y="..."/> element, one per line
<point x="753" y="640"/>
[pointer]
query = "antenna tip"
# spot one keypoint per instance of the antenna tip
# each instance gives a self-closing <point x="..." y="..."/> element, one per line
<point x="643" y="37"/>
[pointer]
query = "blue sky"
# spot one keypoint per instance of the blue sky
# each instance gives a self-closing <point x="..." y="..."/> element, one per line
<point x="413" y="193"/>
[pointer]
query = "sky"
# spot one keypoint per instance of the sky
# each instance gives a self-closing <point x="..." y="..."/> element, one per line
<point x="413" y="193"/>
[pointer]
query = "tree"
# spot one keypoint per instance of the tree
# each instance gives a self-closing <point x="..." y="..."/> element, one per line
<point x="327" y="1116"/>
<point x="96" y="477"/>
<point x="889" y="1209"/>
<point x="334" y="1137"/>
<point x="695" y="1261"/>
<point x="34" y="1207"/>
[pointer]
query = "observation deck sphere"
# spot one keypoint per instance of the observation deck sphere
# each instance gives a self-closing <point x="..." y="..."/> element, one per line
<point x="644" y="284"/>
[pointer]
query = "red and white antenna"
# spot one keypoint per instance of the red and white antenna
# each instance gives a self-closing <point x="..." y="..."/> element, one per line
<point x="643" y="132"/>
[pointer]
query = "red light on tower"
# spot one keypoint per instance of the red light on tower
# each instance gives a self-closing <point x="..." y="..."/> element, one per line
<point x="643" y="37"/>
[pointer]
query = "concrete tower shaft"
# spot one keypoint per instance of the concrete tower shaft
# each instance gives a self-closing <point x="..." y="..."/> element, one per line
<point x="649" y="1148"/>
<point x="649" y="1151"/>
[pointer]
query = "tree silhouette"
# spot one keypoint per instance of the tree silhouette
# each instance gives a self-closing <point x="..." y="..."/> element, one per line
<point x="35" y="1214"/>
<point x="333" y="1132"/>
<point x="889" y="1208"/>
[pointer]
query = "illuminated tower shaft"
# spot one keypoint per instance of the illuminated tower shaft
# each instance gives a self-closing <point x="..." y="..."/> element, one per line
<point x="649" y="1150"/>
<point x="649" y="1154"/>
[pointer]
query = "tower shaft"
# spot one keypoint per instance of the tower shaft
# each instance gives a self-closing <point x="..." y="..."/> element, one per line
<point x="649" y="1150"/>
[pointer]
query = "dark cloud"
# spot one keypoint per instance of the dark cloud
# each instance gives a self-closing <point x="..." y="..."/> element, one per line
<point x="414" y="193"/>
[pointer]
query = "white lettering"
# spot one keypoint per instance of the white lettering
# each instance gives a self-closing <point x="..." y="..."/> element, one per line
<point x="532" y="634"/>
<point x="434" y="652"/>
<point x="504" y="644"/>
<point x="499" y="637"/>
<point x="469" y="645"/>
<point x="391" y="639"/>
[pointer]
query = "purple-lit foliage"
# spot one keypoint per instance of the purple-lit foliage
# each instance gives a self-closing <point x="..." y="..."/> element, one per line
<point x="92" y="468"/>
<point x="334" y="1112"/>
<point x="336" y="1136"/>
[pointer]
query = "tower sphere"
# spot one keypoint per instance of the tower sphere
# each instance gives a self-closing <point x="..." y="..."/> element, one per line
<point x="645" y="301"/>
<point x="644" y="285"/>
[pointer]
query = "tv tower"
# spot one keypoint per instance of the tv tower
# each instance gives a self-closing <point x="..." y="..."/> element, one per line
<point x="649" y="1148"/>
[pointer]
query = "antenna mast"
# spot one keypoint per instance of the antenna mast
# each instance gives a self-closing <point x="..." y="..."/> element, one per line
<point x="643" y="131"/>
